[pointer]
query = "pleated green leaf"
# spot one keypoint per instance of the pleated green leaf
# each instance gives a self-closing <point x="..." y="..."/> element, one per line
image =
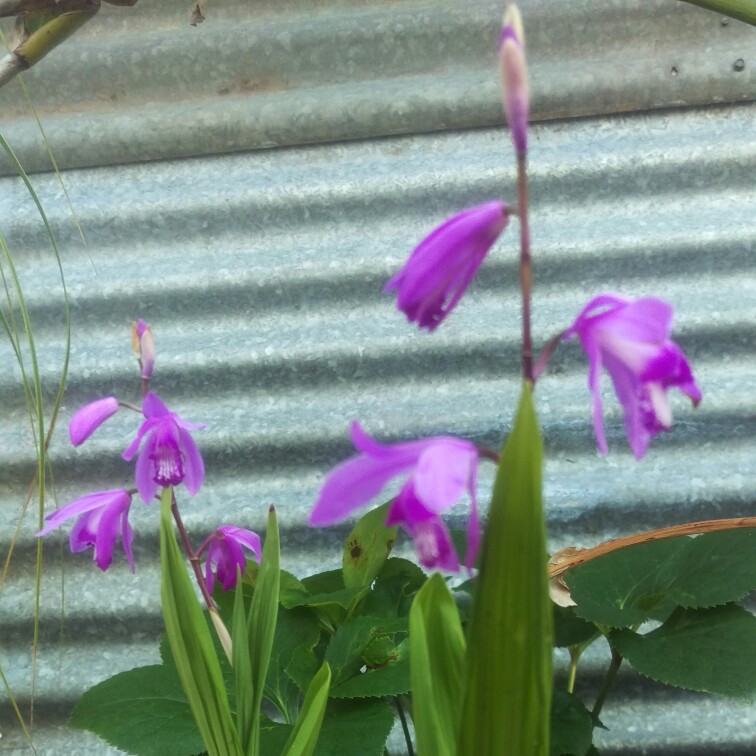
<point x="242" y="666"/>
<point x="192" y="646"/>
<point x="437" y="657"/>
<point x="261" y="624"/>
<point x="304" y="737"/>
<point x="508" y="686"/>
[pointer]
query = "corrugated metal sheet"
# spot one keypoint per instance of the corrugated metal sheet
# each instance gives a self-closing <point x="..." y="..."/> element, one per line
<point x="261" y="273"/>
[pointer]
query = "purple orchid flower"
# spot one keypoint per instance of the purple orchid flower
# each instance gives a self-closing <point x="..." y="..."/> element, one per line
<point x="440" y="268"/>
<point x="89" y="418"/>
<point x="630" y="338"/>
<point x="101" y="517"/>
<point x="440" y="470"/>
<point x="169" y="454"/>
<point x="225" y="554"/>
<point x="515" y="94"/>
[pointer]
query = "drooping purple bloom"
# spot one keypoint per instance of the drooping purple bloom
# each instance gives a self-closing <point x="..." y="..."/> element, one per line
<point x="101" y="517"/>
<point x="225" y="554"/>
<point x="631" y="339"/>
<point x="90" y="417"/>
<point x="515" y="94"/>
<point x="440" y="268"/>
<point x="440" y="470"/>
<point x="143" y="346"/>
<point x="168" y="455"/>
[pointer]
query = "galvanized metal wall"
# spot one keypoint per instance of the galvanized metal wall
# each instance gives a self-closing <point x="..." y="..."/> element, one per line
<point x="261" y="270"/>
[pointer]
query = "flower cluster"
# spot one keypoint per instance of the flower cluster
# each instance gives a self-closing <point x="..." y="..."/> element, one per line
<point x="629" y="338"/>
<point x="166" y="456"/>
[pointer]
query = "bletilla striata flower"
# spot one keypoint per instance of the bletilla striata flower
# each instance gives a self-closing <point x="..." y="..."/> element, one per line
<point x="631" y="339"/>
<point x="225" y="553"/>
<point x="440" y="470"/>
<point x="169" y="455"/>
<point x="440" y="268"/>
<point x="101" y="517"/>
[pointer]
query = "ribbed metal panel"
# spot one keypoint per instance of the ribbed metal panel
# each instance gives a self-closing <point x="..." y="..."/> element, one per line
<point x="261" y="272"/>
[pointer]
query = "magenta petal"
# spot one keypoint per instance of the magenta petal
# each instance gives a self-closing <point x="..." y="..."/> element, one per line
<point x="144" y="475"/>
<point x="90" y="417"/>
<point x="80" y="506"/>
<point x="153" y="406"/>
<point x="194" y="467"/>
<point x="433" y="545"/>
<point x="443" y="472"/>
<point x="247" y="538"/>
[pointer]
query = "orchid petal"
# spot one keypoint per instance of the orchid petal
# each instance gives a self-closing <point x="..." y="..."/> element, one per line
<point x="90" y="417"/>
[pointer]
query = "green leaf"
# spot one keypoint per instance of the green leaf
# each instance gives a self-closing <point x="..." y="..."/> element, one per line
<point x="367" y="547"/>
<point x="571" y="630"/>
<point x="305" y="734"/>
<point x="242" y="666"/>
<point x="396" y="583"/>
<point x="362" y="726"/>
<point x="437" y="656"/>
<point x="261" y="623"/>
<point x="646" y="581"/>
<point x="367" y="723"/>
<point x="143" y="710"/>
<point x="302" y="667"/>
<point x="710" y="650"/>
<point x="192" y="645"/>
<point x="296" y="628"/>
<point x="571" y="725"/>
<point x="742" y="10"/>
<point x="508" y="688"/>
<point x="391" y="679"/>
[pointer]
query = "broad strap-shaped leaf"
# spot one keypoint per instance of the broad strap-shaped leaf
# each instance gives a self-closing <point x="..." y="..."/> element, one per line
<point x="437" y="656"/>
<point x="261" y="624"/>
<point x="143" y="710"/>
<point x="304" y="737"/>
<point x="508" y="687"/>
<point x="192" y="646"/>
<point x="242" y="666"/>
<point x="367" y="547"/>
<point x="710" y="650"/>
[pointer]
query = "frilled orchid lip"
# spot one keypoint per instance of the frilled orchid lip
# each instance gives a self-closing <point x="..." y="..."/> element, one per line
<point x="101" y="517"/>
<point x="440" y="470"/>
<point x="168" y="455"/>
<point x="630" y="338"/>
<point x="225" y="554"/>
<point x="440" y="268"/>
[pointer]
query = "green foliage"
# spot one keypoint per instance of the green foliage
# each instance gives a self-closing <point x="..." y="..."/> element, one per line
<point x="508" y="689"/>
<point x="648" y="580"/>
<point x="571" y="725"/>
<point x="192" y="646"/>
<point x="142" y="711"/>
<point x="366" y="549"/>
<point x="437" y="652"/>
<point x="711" y="650"/>
<point x="304" y="736"/>
<point x="571" y="630"/>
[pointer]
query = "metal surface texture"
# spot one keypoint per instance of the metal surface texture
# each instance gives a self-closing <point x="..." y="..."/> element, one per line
<point x="261" y="274"/>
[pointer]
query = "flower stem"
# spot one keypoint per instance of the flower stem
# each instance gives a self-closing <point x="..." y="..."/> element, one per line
<point x="575" y="652"/>
<point x="405" y="727"/>
<point x="611" y="675"/>
<point x="526" y="266"/>
<point x="193" y="558"/>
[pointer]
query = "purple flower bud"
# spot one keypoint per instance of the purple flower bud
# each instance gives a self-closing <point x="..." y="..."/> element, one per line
<point x="630" y="338"/>
<point x="143" y="346"/>
<point x="440" y="470"/>
<point x="225" y="554"/>
<point x="515" y="95"/>
<point x="90" y="417"/>
<point x="169" y="454"/>
<point x="440" y="268"/>
<point x="101" y="517"/>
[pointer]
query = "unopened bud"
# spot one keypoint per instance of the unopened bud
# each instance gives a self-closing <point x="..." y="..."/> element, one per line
<point x="143" y="346"/>
<point x="515" y="95"/>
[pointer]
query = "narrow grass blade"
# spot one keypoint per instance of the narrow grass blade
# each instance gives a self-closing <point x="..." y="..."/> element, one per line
<point x="304" y="737"/>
